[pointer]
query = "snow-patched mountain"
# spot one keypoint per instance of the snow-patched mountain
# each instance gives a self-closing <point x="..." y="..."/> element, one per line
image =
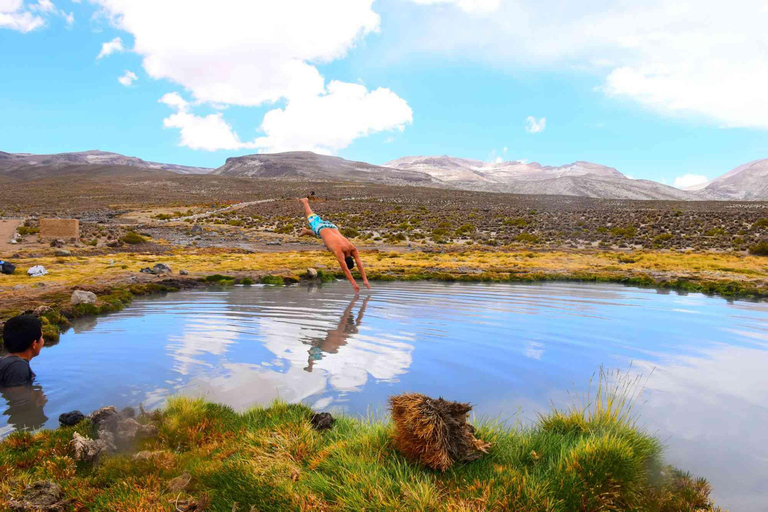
<point x="16" y="161"/>
<point x="577" y="179"/>
<point x="311" y="166"/>
<point x="745" y="182"/>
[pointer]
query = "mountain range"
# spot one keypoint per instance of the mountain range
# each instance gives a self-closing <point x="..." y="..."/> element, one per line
<point x="585" y="179"/>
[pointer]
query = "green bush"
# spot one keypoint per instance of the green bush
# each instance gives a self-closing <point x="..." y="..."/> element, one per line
<point x="519" y="222"/>
<point x="465" y="229"/>
<point x="664" y="237"/>
<point x="350" y="232"/>
<point x="247" y="281"/>
<point x="218" y="278"/>
<point x="715" y="232"/>
<point x="762" y="223"/>
<point x="759" y="249"/>
<point x="26" y="230"/>
<point x="528" y="238"/>
<point x="133" y="238"/>
<point x="273" y="280"/>
<point x="626" y="232"/>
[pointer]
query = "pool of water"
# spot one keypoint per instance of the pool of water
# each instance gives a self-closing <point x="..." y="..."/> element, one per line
<point x="511" y="350"/>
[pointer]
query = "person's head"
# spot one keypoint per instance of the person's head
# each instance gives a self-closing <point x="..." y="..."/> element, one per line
<point x="350" y="262"/>
<point x="23" y="333"/>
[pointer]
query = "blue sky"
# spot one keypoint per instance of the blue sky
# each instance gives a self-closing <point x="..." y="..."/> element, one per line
<point x="658" y="90"/>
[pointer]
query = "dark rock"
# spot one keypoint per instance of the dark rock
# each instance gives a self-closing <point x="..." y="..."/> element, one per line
<point x="59" y="243"/>
<point x="62" y="253"/>
<point x="69" y="419"/>
<point x="106" y="417"/>
<point x="322" y="421"/>
<point x="128" y="412"/>
<point x="196" y="230"/>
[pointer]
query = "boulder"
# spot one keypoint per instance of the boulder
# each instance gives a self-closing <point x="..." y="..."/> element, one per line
<point x="161" y="268"/>
<point x="104" y="417"/>
<point x="69" y="419"/>
<point x="321" y="421"/>
<point x="197" y="230"/>
<point x="89" y="450"/>
<point x="37" y="271"/>
<point x="62" y="253"/>
<point x="311" y="273"/>
<point x="82" y="297"/>
<point x="183" y="272"/>
<point x="58" y="243"/>
<point x="42" y="496"/>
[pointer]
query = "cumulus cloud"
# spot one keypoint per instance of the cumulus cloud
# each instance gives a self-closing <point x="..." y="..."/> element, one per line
<point x="702" y="59"/>
<point x="690" y="180"/>
<point x="482" y="6"/>
<point x="533" y="126"/>
<point x="254" y="53"/>
<point x="110" y="47"/>
<point x="14" y="16"/>
<point x="128" y="78"/>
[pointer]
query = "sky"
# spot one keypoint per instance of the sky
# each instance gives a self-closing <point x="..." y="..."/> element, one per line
<point x="672" y="91"/>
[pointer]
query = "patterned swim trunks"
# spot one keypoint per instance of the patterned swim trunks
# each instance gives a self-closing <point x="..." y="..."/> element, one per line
<point x="317" y="224"/>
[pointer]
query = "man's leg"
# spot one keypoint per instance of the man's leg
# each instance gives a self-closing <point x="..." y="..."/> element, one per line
<point x="307" y="210"/>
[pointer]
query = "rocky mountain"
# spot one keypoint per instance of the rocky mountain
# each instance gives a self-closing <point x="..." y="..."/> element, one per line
<point x="583" y="179"/>
<point x="745" y="182"/>
<point x="10" y="162"/>
<point x="310" y="166"/>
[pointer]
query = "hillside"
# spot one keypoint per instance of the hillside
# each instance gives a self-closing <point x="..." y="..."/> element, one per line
<point x="308" y="165"/>
<point x="745" y="182"/>
<point x="10" y="162"/>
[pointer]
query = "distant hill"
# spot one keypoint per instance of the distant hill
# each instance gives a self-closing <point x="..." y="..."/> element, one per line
<point x="311" y="166"/>
<point x="10" y="162"/>
<point x="584" y="179"/>
<point x="745" y="182"/>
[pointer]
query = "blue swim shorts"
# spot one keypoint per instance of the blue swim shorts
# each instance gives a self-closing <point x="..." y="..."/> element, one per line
<point x="317" y="224"/>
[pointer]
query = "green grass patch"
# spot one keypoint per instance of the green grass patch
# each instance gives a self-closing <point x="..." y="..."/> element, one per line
<point x="276" y="280"/>
<point x="133" y="238"/>
<point x="219" y="279"/>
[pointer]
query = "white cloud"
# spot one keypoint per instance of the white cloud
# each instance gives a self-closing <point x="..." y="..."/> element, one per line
<point x="44" y="5"/>
<point x="197" y="132"/>
<point x="703" y="59"/>
<point x="128" y="78"/>
<point x="533" y="126"/>
<point x="14" y="16"/>
<point x="690" y="180"/>
<point x="254" y="53"/>
<point x="482" y="6"/>
<point x="498" y="160"/>
<point x="110" y="47"/>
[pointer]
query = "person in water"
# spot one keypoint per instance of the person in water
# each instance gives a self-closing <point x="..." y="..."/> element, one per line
<point x="345" y="252"/>
<point x="23" y="340"/>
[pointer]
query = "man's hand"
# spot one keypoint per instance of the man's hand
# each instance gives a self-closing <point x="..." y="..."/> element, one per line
<point x="365" y="281"/>
<point x="357" y="287"/>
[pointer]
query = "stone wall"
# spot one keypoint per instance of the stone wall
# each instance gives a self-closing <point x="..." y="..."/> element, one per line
<point x="59" y="228"/>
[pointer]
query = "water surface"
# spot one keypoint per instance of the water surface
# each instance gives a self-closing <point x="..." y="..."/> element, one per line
<point x="511" y="350"/>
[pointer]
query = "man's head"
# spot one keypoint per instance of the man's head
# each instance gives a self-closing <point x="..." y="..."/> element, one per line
<point x="23" y="334"/>
<point x="350" y="262"/>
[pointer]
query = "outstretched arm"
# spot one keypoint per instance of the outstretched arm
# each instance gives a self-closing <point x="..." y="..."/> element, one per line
<point x="359" y="263"/>
<point x="343" y="265"/>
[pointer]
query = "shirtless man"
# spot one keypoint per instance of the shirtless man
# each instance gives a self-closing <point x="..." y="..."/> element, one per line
<point x="345" y="252"/>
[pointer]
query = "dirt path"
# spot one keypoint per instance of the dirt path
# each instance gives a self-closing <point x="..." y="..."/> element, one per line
<point x="7" y="229"/>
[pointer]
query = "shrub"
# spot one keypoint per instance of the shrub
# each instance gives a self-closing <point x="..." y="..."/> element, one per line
<point x="466" y="229"/>
<point x="528" y="238"/>
<point x="759" y="249"/>
<point x="218" y="278"/>
<point x="273" y="280"/>
<point x="350" y="232"/>
<point x="762" y="223"/>
<point x="133" y="238"/>
<point x="26" y="230"/>
<point x="626" y="232"/>
<point x="519" y="222"/>
<point x="247" y="281"/>
<point x="664" y="237"/>
<point x="715" y="232"/>
<point x="285" y="229"/>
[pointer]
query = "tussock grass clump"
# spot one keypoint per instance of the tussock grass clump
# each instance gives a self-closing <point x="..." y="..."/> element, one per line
<point x="434" y="432"/>
<point x="133" y="238"/>
<point x="759" y="249"/>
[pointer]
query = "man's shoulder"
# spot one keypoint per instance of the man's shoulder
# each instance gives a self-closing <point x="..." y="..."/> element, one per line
<point x="14" y="371"/>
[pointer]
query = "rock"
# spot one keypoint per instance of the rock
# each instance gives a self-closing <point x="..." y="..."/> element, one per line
<point x="148" y="455"/>
<point x="14" y="242"/>
<point x="197" y="230"/>
<point x="277" y="242"/>
<point x="89" y="450"/>
<point x="42" y="496"/>
<point x="69" y="419"/>
<point x="82" y="297"/>
<point x="62" y="253"/>
<point x="179" y="483"/>
<point x="128" y="412"/>
<point x="197" y="238"/>
<point x="41" y="310"/>
<point x="161" y="268"/>
<point x="322" y="421"/>
<point x="146" y="270"/>
<point x="183" y="272"/>
<point x="114" y="243"/>
<point x="311" y="273"/>
<point x="59" y="243"/>
<point x="105" y="417"/>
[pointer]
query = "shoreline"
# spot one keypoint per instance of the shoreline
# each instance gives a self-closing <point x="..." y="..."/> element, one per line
<point x="115" y="279"/>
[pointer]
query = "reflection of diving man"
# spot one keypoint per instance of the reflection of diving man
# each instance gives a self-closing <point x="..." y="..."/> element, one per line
<point x="338" y="337"/>
<point x="25" y="406"/>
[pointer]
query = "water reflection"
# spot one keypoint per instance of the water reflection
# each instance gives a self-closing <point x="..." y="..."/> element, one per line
<point x="336" y="338"/>
<point x="24" y="408"/>
<point x="511" y="350"/>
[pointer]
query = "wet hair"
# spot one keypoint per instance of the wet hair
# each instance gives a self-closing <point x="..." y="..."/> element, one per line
<point x="20" y="332"/>
<point x="350" y="262"/>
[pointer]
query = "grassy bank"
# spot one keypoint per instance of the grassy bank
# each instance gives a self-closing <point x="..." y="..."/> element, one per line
<point x="209" y="456"/>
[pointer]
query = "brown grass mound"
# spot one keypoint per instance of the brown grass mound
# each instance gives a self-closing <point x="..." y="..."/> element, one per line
<point x="434" y="432"/>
